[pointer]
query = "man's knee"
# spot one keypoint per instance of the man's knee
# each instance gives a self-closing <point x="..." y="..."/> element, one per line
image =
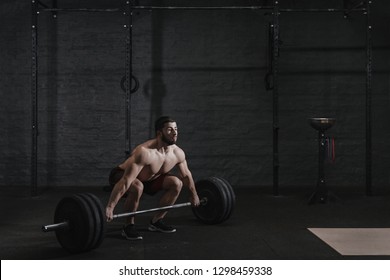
<point x="173" y="183"/>
<point x="136" y="187"/>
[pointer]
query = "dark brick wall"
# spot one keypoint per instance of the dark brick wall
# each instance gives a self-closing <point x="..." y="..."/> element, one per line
<point x="205" y="68"/>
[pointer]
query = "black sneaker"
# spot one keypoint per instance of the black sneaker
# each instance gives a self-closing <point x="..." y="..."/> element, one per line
<point x="130" y="233"/>
<point x="161" y="227"/>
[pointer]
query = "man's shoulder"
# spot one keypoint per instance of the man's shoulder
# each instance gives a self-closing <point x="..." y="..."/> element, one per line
<point x="179" y="152"/>
<point x="143" y="152"/>
<point x="145" y="147"/>
<point x="177" y="148"/>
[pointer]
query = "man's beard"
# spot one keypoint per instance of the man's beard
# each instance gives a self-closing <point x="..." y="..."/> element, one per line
<point x="167" y="141"/>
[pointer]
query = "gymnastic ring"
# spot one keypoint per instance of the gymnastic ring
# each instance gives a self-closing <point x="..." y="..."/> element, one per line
<point x="136" y="84"/>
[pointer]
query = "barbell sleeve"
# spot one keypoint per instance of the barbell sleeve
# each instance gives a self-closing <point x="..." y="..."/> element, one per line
<point x="54" y="227"/>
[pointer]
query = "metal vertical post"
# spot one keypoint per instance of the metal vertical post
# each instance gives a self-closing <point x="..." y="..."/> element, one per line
<point x="275" y="99"/>
<point x="34" y="97"/>
<point x="368" y="98"/>
<point x="321" y="190"/>
<point x="128" y="74"/>
<point x="54" y="6"/>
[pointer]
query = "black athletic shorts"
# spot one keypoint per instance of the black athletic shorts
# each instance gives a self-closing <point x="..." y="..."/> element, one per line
<point x="150" y="187"/>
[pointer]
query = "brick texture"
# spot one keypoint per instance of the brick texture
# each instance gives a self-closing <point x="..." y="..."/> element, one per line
<point x="206" y="69"/>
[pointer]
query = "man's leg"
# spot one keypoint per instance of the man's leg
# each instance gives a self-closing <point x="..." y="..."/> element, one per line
<point x="172" y="186"/>
<point x="133" y="197"/>
<point x="131" y="204"/>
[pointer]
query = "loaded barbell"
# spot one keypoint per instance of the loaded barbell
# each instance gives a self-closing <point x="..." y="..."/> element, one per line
<point x="79" y="220"/>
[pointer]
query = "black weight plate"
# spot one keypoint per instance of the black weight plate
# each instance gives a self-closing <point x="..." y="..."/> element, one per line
<point x="78" y="236"/>
<point x="96" y="220"/>
<point x="224" y="189"/>
<point x="101" y="228"/>
<point x="232" y="197"/>
<point x="91" y="221"/>
<point x="225" y="195"/>
<point x="216" y="206"/>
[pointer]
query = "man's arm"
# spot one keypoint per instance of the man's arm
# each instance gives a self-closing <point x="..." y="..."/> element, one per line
<point x="135" y="164"/>
<point x="186" y="177"/>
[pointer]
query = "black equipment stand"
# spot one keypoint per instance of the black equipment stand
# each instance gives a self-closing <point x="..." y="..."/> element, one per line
<point x="321" y="192"/>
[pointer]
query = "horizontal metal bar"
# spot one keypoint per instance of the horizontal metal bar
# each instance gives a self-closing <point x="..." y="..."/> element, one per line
<point x="80" y="10"/>
<point x="131" y="214"/>
<point x="65" y="224"/>
<point x="203" y="201"/>
<point x="202" y="8"/>
<point x="331" y="10"/>
<point x="54" y="227"/>
<point x="46" y="9"/>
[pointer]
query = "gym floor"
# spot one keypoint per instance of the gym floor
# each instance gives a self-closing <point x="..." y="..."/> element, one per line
<point x="262" y="226"/>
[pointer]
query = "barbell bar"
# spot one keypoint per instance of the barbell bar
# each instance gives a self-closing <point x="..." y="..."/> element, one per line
<point x="79" y="220"/>
<point x="65" y="224"/>
<point x="203" y="201"/>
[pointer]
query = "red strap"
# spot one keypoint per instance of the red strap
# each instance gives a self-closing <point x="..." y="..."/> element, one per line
<point x="333" y="150"/>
